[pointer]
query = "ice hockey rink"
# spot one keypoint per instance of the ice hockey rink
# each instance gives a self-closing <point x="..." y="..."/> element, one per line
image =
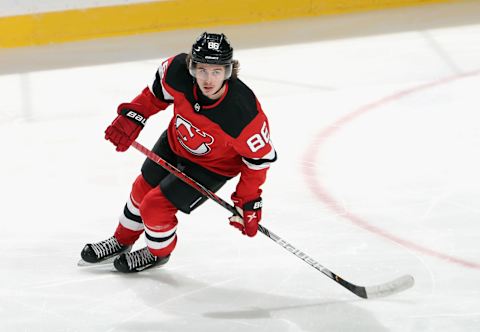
<point x="376" y="121"/>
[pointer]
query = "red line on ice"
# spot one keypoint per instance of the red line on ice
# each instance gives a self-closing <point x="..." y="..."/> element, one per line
<point x="323" y="194"/>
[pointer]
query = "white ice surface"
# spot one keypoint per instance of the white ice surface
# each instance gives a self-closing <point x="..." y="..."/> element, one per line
<point x="378" y="138"/>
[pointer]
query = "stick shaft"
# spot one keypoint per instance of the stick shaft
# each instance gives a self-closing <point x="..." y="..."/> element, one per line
<point x="357" y="290"/>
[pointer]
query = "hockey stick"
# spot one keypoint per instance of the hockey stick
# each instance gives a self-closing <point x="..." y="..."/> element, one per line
<point x="381" y="290"/>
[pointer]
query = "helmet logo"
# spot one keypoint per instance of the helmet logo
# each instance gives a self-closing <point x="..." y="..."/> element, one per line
<point x="213" y="46"/>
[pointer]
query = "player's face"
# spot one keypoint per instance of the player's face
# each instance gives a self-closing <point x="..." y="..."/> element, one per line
<point x="210" y="79"/>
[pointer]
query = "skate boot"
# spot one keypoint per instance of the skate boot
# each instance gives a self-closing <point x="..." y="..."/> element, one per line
<point x="137" y="261"/>
<point x="103" y="251"/>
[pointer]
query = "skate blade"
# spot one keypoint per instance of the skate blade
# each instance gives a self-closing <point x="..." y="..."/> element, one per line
<point x="107" y="262"/>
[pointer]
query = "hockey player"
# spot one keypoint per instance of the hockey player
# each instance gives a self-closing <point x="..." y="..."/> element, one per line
<point x="218" y="130"/>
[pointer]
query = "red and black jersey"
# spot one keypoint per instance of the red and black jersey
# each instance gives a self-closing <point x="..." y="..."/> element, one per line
<point x="229" y="136"/>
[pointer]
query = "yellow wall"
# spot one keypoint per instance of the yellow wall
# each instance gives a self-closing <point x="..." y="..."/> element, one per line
<point x="54" y="27"/>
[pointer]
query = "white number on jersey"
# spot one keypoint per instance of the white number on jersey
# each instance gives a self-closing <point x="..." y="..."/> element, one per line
<point x="258" y="141"/>
<point x="164" y="67"/>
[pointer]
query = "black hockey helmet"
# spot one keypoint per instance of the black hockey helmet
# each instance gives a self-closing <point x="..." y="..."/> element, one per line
<point x="212" y="48"/>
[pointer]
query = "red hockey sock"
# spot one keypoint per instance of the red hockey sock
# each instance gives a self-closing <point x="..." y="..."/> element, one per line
<point x="126" y="236"/>
<point x="158" y="215"/>
<point x="130" y="225"/>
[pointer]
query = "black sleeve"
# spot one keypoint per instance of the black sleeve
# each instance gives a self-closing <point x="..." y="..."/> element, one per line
<point x="157" y="88"/>
<point x="175" y="75"/>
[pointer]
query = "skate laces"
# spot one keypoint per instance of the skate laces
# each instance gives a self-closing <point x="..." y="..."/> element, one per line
<point x="106" y="247"/>
<point x="140" y="258"/>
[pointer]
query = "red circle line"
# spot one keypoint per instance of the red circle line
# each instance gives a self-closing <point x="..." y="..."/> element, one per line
<point x="321" y="192"/>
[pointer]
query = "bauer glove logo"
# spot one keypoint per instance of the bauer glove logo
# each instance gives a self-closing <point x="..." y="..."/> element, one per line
<point x="135" y="117"/>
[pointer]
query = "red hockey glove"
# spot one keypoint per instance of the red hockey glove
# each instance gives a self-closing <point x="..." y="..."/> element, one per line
<point x="251" y="213"/>
<point x="125" y="128"/>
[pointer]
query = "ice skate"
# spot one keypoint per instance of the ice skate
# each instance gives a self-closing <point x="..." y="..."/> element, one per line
<point x="102" y="252"/>
<point x="137" y="261"/>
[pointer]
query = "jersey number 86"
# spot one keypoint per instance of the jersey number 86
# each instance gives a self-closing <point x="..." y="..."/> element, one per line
<point x="258" y="141"/>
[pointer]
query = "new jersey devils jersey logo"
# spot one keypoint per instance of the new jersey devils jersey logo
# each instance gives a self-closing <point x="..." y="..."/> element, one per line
<point x="194" y="140"/>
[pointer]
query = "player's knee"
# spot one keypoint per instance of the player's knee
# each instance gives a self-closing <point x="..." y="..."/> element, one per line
<point x="140" y="188"/>
<point x="157" y="211"/>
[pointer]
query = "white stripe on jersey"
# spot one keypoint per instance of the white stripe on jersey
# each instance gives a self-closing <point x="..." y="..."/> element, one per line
<point x="161" y="73"/>
<point x="268" y="159"/>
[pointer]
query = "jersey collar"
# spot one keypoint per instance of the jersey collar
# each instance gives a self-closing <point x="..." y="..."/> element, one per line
<point x="216" y="103"/>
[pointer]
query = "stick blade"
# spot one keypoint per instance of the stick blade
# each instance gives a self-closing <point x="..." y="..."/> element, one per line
<point x="395" y="286"/>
